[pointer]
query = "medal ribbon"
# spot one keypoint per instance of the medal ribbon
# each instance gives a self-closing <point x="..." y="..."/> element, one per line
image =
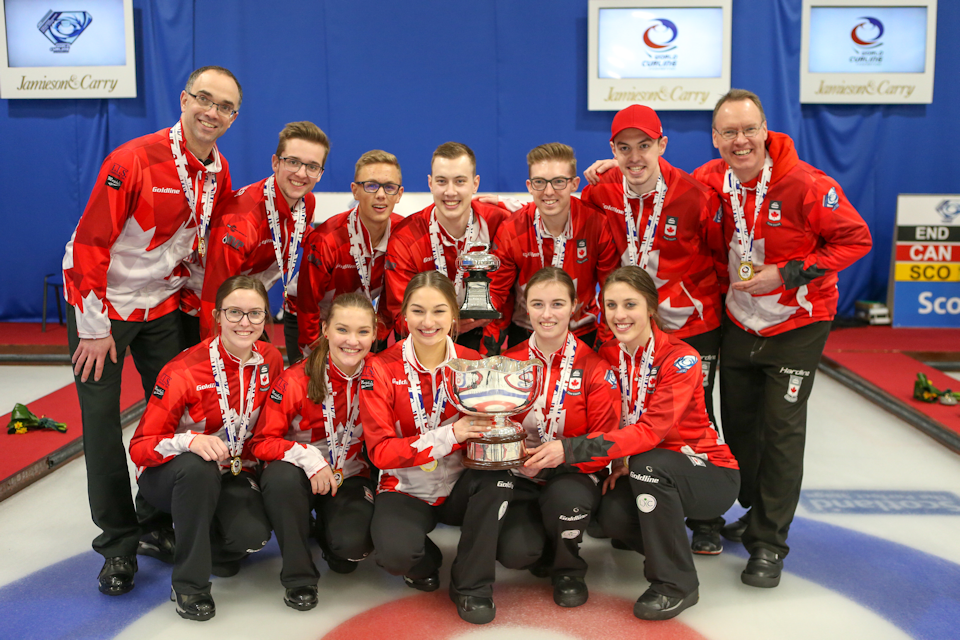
<point x="645" y="369"/>
<point x="559" y="243"/>
<point x="235" y="433"/>
<point x="209" y="188"/>
<point x="552" y="419"/>
<point x="745" y="243"/>
<point x="299" y="224"/>
<point x="424" y="423"/>
<point x="339" y="440"/>
<point x="650" y="230"/>
<point x="358" y="251"/>
<point x="439" y="260"/>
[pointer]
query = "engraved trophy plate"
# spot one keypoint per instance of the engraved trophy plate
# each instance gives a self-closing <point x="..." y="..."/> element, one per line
<point x="476" y="301"/>
<point x="495" y="387"/>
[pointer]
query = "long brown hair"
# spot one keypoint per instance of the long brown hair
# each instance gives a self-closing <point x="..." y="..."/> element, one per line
<point x="639" y="280"/>
<point x="316" y="365"/>
<point x="440" y="282"/>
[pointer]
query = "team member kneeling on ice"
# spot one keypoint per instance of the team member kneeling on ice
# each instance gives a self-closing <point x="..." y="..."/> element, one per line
<point x="189" y="446"/>
<point x="580" y="395"/>
<point x="676" y="466"/>
<point x="414" y="435"/>
<point x="311" y="437"/>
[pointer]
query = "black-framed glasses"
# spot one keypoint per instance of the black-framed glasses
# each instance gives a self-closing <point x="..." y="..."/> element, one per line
<point x="389" y="188"/>
<point x="539" y="184"/>
<point x="731" y="134"/>
<point x="206" y="103"/>
<point x="234" y="315"/>
<point x="293" y="165"/>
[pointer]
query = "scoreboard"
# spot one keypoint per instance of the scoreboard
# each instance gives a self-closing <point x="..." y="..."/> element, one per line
<point x="925" y="282"/>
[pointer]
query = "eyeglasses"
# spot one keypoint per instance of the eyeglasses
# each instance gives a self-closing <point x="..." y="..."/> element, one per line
<point x="206" y="103"/>
<point x="294" y="164"/>
<point x="731" y="134"/>
<point x="539" y="184"/>
<point x="389" y="188"/>
<point x="234" y="315"/>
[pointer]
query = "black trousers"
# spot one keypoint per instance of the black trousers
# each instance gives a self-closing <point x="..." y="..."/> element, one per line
<point x="764" y="387"/>
<point x="708" y="346"/>
<point x="152" y="345"/>
<point x="291" y="333"/>
<point x="344" y="520"/>
<point x="191" y="328"/>
<point x="216" y="517"/>
<point x="555" y="517"/>
<point x="477" y="505"/>
<point x="646" y="510"/>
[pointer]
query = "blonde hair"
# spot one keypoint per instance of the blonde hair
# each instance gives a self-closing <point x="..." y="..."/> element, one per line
<point x="552" y="151"/>
<point x="377" y="156"/>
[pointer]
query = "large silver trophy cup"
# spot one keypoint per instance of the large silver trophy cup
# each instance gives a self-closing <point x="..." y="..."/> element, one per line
<point x="495" y="387"/>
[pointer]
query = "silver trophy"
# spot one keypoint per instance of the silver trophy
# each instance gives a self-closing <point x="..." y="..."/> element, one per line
<point x="476" y="300"/>
<point x="495" y="387"/>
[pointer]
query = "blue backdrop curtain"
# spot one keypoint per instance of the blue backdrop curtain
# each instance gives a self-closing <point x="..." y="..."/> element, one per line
<point x="500" y="76"/>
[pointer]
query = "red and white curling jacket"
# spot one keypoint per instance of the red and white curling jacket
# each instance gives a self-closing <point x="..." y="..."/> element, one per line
<point x="687" y="253"/>
<point x="589" y="255"/>
<point x="329" y="268"/>
<point x="674" y="414"/>
<point x="293" y="428"/>
<point x="590" y="400"/>
<point x="423" y="465"/>
<point x="241" y="243"/>
<point x="806" y="227"/>
<point x="185" y="402"/>
<point x="126" y="258"/>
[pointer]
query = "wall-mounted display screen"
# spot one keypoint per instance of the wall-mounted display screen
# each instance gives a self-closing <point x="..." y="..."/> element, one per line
<point x="868" y="39"/>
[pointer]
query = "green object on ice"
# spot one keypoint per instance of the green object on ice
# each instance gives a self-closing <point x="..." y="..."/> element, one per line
<point x="23" y="420"/>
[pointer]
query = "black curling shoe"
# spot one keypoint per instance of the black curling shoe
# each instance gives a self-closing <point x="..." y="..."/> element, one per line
<point x="474" y="609"/>
<point x="159" y="544"/>
<point x="763" y="569"/>
<point x="430" y="583"/>
<point x="116" y="576"/>
<point x="197" y="607"/>
<point x="570" y="591"/>
<point x="301" y="598"/>
<point x="655" y="606"/>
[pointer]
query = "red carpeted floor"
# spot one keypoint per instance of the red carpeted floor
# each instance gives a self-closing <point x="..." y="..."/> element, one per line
<point x="880" y="355"/>
<point x="22" y="450"/>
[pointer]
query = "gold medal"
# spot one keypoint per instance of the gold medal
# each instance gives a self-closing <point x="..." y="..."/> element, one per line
<point x="338" y="476"/>
<point x="201" y="247"/>
<point x="746" y="270"/>
<point x="430" y="466"/>
<point x="236" y="465"/>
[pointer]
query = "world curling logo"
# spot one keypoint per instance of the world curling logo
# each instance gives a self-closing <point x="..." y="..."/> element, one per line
<point x="659" y="38"/>
<point x="62" y="28"/>
<point x="866" y="34"/>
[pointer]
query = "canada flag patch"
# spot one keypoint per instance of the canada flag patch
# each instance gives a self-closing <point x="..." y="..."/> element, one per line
<point x="670" y="228"/>
<point x="576" y="382"/>
<point x="773" y="214"/>
<point x="581" y="251"/>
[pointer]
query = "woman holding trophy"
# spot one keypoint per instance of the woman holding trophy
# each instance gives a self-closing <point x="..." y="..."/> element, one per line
<point x="676" y="465"/>
<point x="414" y="435"/>
<point x="311" y="438"/>
<point x="190" y="450"/>
<point x="580" y="395"/>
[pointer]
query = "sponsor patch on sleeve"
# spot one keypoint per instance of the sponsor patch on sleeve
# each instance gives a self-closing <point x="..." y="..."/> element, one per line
<point x="158" y="392"/>
<point x="113" y="182"/>
<point x="831" y="200"/>
<point x="684" y="363"/>
<point x="276" y="396"/>
<point x="366" y="385"/>
<point x="611" y="379"/>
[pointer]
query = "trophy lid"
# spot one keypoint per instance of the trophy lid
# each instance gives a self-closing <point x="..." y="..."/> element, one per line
<point x="471" y="260"/>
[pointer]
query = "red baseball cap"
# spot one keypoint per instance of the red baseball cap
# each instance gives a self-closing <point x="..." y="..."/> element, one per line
<point x="637" y="116"/>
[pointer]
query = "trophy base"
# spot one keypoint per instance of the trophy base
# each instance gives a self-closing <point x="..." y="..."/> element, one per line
<point x="494" y="466"/>
<point x="496" y="452"/>
<point x="480" y="314"/>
